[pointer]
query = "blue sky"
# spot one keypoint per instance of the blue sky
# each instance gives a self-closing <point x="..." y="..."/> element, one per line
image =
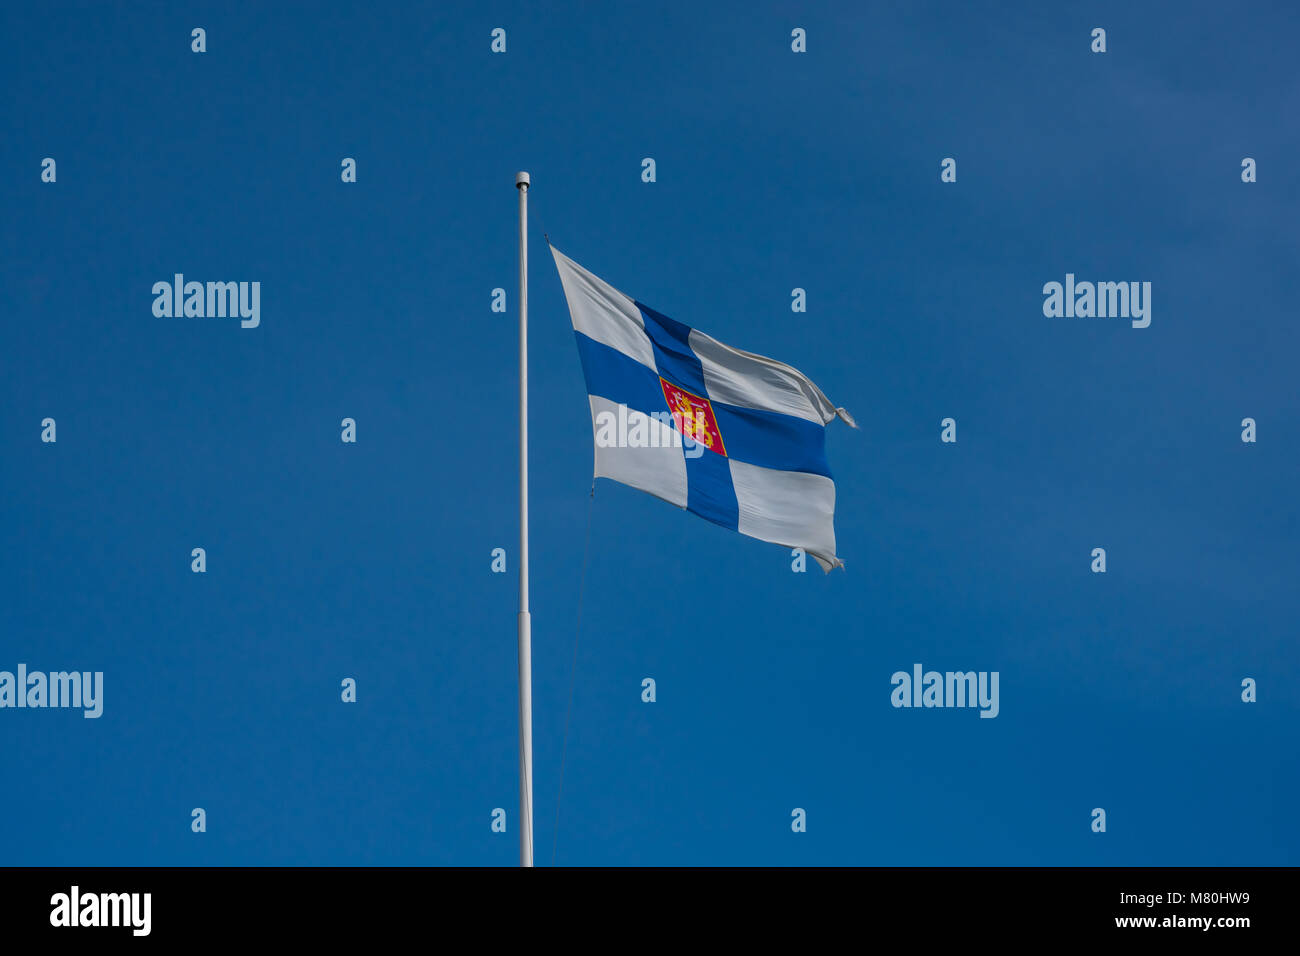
<point x="774" y="171"/>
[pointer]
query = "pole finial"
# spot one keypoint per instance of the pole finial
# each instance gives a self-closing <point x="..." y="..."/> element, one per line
<point x="521" y="180"/>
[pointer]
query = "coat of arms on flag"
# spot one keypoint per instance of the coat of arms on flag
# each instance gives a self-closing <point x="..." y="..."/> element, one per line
<point x="694" y="417"/>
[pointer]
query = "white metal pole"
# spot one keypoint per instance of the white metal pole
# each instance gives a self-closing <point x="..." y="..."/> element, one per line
<point x="525" y="621"/>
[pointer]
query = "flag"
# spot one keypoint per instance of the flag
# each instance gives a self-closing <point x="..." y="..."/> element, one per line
<point x="731" y="436"/>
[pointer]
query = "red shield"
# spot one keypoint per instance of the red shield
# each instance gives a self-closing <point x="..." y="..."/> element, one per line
<point x="694" y="417"/>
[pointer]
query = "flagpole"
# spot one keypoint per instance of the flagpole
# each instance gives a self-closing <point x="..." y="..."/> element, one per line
<point x="525" y="620"/>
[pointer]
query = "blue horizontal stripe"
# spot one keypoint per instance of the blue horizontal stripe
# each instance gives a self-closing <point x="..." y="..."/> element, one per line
<point x="755" y="436"/>
<point x="623" y="380"/>
<point x="772" y="440"/>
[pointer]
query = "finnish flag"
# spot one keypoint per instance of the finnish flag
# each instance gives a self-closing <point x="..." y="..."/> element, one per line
<point x="731" y="436"/>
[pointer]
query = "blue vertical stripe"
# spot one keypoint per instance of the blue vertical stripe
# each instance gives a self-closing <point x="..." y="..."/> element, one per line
<point x="674" y="356"/>
<point x="710" y="492"/>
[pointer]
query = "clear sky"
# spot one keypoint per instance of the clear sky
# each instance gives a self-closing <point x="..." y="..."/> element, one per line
<point x="775" y="170"/>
